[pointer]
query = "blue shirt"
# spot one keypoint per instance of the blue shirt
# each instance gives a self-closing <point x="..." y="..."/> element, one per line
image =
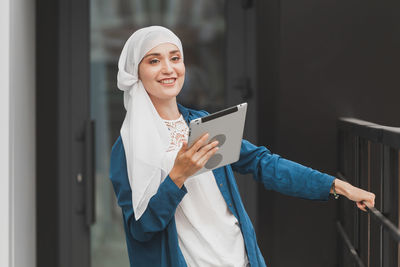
<point x="153" y="241"/>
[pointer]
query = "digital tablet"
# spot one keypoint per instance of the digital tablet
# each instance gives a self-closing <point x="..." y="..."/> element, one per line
<point x="226" y="126"/>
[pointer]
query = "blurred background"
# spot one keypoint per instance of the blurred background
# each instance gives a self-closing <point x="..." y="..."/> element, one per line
<point x="300" y="65"/>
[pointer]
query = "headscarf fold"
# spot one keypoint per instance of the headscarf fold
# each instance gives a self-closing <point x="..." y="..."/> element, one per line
<point x="143" y="132"/>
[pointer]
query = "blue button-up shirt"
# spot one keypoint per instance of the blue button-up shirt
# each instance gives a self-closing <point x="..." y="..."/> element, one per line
<point x="153" y="241"/>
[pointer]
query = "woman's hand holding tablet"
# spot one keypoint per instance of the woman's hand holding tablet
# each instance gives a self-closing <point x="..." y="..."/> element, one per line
<point x="190" y="160"/>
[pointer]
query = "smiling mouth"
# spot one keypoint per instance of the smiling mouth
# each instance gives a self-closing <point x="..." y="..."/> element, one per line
<point x="168" y="81"/>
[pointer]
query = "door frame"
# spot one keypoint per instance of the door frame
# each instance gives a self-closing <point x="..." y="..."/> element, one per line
<point x="63" y="108"/>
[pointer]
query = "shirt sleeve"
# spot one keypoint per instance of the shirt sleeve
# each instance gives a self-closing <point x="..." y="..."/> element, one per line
<point x="282" y="175"/>
<point x="161" y="207"/>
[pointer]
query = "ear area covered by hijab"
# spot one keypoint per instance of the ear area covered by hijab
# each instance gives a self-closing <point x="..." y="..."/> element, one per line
<point x="143" y="132"/>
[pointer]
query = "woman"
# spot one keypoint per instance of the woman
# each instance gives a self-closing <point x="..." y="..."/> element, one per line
<point x="171" y="218"/>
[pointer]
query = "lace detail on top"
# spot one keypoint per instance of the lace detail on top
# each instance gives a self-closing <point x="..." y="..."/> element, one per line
<point x="179" y="132"/>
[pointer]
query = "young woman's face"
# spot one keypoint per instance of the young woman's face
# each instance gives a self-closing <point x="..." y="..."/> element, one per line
<point x="162" y="71"/>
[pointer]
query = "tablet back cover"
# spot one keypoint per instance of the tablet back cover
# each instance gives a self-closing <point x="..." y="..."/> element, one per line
<point x="227" y="127"/>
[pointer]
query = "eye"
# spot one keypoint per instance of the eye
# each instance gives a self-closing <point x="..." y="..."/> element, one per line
<point x="154" y="61"/>
<point x="175" y="58"/>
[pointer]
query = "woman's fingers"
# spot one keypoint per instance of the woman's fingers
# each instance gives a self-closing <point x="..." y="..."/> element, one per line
<point x="368" y="201"/>
<point x="190" y="160"/>
<point x="203" y="160"/>
<point x="361" y="206"/>
<point x="359" y="195"/>
<point x="198" y="144"/>
<point x="362" y="198"/>
<point x="202" y="151"/>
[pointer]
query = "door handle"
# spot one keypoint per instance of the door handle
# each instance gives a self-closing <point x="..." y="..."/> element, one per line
<point x="90" y="204"/>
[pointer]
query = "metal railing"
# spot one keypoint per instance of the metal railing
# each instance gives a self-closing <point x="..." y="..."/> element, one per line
<point x="369" y="157"/>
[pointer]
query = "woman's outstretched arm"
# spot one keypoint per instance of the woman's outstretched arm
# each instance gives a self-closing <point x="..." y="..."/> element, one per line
<point x="291" y="178"/>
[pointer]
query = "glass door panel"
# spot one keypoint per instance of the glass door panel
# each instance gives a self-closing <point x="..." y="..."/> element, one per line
<point x="201" y="25"/>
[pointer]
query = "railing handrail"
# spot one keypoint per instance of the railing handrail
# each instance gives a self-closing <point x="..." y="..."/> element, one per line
<point x="375" y="132"/>
<point x="377" y="215"/>
<point x="350" y="246"/>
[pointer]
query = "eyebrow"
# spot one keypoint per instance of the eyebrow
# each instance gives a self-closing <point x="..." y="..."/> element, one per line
<point x="158" y="54"/>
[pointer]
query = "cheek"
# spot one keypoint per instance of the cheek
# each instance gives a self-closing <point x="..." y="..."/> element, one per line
<point x="181" y="70"/>
<point x="146" y="74"/>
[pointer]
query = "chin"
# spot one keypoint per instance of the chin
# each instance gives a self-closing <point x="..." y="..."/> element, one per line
<point x="164" y="97"/>
<point x="170" y="96"/>
<point x="170" y="93"/>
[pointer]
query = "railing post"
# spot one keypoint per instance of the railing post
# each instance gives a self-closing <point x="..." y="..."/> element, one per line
<point x="370" y="156"/>
<point x="357" y="183"/>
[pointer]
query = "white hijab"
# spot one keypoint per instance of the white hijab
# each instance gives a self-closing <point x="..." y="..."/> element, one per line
<point x="144" y="134"/>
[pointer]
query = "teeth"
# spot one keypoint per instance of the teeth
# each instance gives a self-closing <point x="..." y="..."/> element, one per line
<point x="168" y="81"/>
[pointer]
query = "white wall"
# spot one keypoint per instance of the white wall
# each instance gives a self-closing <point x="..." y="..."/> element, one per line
<point x="4" y="133"/>
<point x="17" y="114"/>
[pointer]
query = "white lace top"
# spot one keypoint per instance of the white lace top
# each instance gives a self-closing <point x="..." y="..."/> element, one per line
<point x="208" y="233"/>
<point x="179" y="132"/>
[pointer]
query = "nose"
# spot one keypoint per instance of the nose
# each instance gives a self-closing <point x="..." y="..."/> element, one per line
<point x="167" y="67"/>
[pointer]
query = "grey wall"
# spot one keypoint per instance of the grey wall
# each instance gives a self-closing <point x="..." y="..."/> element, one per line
<point x="319" y="60"/>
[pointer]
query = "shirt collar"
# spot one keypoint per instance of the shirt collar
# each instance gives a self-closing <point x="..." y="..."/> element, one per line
<point x="185" y="112"/>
